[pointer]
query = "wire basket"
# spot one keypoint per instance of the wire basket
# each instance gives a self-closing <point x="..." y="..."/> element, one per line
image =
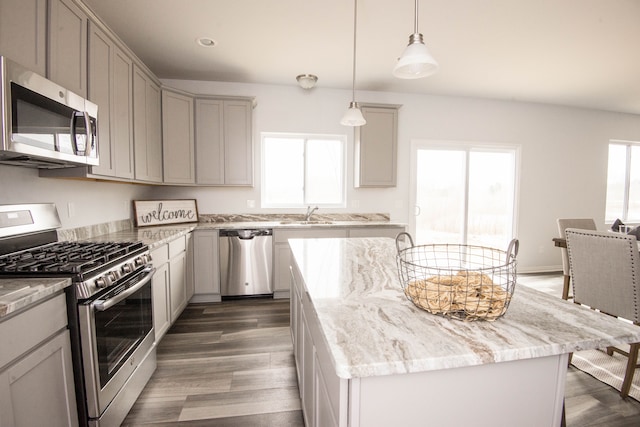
<point x="463" y="282"/>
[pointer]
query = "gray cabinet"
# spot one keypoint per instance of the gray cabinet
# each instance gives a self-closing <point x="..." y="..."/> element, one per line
<point x="67" y="47"/>
<point x="177" y="276"/>
<point x="224" y="143"/>
<point x="161" y="291"/>
<point x="206" y="272"/>
<point x="23" y="25"/>
<point x="376" y="147"/>
<point x="147" y="127"/>
<point x="110" y="87"/>
<point x="36" y="376"/>
<point x="177" y="138"/>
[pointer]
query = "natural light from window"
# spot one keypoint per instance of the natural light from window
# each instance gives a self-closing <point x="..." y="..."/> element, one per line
<point x="623" y="182"/>
<point x="302" y="170"/>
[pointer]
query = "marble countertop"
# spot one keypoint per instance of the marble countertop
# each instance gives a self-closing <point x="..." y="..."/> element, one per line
<point x="372" y="329"/>
<point x="16" y="294"/>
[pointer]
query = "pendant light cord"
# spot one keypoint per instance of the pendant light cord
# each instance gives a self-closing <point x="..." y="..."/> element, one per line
<point x="355" y="25"/>
<point x="415" y="24"/>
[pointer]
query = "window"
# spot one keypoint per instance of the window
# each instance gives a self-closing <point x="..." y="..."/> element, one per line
<point x="465" y="194"/>
<point x="623" y="182"/>
<point x="302" y="170"/>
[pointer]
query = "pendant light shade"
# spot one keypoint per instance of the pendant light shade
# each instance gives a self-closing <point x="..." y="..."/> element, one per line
<point x="353" y="116"/>
<point x="416" y="61"/>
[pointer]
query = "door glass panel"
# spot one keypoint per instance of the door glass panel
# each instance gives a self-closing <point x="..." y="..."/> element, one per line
<point x="440" y="196"/>
<point x="616" y="182"/>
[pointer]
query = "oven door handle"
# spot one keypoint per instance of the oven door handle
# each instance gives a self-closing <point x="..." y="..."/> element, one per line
<point x="102" y="305"/>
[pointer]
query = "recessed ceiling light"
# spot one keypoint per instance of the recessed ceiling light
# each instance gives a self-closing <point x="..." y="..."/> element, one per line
<point x="206" y="42"/>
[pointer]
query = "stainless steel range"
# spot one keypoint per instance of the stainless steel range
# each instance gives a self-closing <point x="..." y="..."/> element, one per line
<point x="109" y="306"/>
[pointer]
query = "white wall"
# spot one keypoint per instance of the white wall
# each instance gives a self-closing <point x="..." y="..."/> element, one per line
<point x="92" y="202"/>
<point x="563" y="163"/>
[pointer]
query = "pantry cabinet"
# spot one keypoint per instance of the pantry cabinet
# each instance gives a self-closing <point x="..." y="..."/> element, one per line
<point x="376" y="146"/>
<point x="224" y="144"/>
<point x="67" y="46"/>
<point x="23" y="30"/>
<point x="110" y="87"/>
<point x="36" y="375"/>
<point x="178" y="138"/>
<point x="147" y="127"/>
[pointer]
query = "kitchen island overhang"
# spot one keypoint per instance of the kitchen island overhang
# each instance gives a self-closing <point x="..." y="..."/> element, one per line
<point x="371" y="345"/>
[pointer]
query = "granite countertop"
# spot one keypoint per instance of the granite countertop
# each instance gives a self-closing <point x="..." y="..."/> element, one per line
<point x="372" y="329"/>
<point x="16" y="294"/>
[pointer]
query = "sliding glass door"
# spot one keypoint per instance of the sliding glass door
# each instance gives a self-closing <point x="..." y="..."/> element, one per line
<point x="464" y="193"/>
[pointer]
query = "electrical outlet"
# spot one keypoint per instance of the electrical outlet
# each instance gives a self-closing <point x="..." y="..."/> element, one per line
<point x="355" y="203"/>
<point x="251" y="203"/>
<point x="71" y="209"/>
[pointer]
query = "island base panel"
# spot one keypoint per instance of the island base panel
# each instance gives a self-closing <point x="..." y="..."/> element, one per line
<point x="523" y="393"/>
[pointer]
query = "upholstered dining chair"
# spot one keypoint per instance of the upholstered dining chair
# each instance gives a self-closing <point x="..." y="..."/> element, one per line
<point x="563" y="224"/>
<point x="605" y="272"/>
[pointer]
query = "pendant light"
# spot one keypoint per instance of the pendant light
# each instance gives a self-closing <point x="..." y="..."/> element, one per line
<point x="416" y="61"/>
<point x="353" y="116"/>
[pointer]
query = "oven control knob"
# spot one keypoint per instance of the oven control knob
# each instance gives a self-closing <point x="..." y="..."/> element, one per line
<point x="139" y="261"/>
<point x="127" y="268"/>
<point x="101" y="282"/>
<point x="113" y="276"/>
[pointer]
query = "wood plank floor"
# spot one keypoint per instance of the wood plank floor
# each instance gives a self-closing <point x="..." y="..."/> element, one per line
<point x="231" y="364"/>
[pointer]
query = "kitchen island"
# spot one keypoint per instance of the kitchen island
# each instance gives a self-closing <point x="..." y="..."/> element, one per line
<point x="366" y="356"/>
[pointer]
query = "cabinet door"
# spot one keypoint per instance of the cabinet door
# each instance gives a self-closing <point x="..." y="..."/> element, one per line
<point x="238" y="143"/>
<point x="189" y="267"/>
<point x="122" y="114"/>
<point x="376" y="147"/>
<point x="177" y="283"/>
<point x="206" y="273"/>
<point x="281" y="274"/>
<point x="101" y="51"/>
<point x="23" y="25"/>
<point x="147" y="127"/>
<point x="39" y="389"/>
<point x="67" y="55"/>
<point x="177" y="138"/>
<point x="161" y="297"/>
<point x="209" y="142"/>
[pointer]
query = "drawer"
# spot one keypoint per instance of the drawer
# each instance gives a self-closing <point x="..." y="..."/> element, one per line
<point x="177" y="246"/>
<point x="24" y="331"/>
<point x="160" y="255"/>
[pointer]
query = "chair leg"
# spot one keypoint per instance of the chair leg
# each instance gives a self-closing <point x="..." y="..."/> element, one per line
<point x="631" y="367"/>
<point x="565" y="288"/>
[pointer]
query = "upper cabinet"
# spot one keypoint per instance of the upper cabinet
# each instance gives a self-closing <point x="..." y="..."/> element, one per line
<point x="177" y="138"/>
<point x="110" y="87"/>
<point x="224" y="143"/>
<point x="23" y="35"/>
<point x="147" y="127"/>
<point x="376" y="146"/>
<point x="67" y="49"/>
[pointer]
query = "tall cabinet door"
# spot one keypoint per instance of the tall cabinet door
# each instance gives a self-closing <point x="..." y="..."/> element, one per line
<point x="177" y="138"/>
<point x="238" y="143"/>
<point x="209" y="141"/>
<point x="23" y="33"/>
<point x="122" y="114"/>
<point x="147" y="131"/>
<point x="67" y="53"/>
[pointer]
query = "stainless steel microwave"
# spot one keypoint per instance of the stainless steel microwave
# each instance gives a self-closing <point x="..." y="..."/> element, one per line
<point x="43" y="124"/>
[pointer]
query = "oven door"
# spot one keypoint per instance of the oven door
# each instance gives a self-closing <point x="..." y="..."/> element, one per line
<point x="116" y="333"/>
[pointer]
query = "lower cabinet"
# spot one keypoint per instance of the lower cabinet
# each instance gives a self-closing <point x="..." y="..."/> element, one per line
<point x="206" y="271"/>
<point x="37" y="386"/>
<point x="322" y="393"/>
<point x="170" y="285"/>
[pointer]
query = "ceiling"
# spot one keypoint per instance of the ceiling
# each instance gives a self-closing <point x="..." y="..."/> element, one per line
<point x="571" y="52"/>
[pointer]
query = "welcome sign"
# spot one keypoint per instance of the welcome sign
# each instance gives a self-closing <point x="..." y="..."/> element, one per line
<point x="160" y="212"/>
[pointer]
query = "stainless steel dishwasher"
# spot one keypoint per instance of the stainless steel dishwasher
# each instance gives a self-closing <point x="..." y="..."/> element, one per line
<point x="246" y="262"/>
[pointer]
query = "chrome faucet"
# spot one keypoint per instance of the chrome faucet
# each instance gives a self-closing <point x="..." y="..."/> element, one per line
<point x="310" y="212"/>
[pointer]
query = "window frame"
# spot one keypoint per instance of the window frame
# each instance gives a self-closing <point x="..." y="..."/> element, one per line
<point x="624" y="214"/>
<point x="306" y="137"/>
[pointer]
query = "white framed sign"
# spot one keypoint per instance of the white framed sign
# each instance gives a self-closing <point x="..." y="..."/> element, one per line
<point x="160" y="212"/>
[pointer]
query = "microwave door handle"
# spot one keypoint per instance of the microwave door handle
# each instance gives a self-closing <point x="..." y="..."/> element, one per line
<point x="92" y="130"/>
<point x="72" y="132"/>
<point x="101" y="305"/>
<point x="87" y="123"/>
